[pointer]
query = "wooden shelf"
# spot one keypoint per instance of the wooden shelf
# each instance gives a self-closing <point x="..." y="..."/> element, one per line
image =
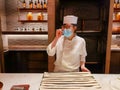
<point x="116" y="9"/>
<point x="92" y="62"/>
<point x="29" y="21"/>
<point x="24" y="32"/>
<point x="116" y="32"/>
<point x="116" y="20"/>
<point x="88" y="33"/>
<point x="32" y="10"/>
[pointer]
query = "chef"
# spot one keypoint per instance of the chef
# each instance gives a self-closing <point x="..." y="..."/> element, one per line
<point x="69" y="48"/>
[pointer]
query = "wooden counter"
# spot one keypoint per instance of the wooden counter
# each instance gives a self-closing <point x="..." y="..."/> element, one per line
<point x="115" y="61"/>
<point x="26" y="59"/>
<point x="115" y="48"/>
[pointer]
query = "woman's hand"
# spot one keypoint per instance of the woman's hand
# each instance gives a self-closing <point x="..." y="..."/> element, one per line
<point x="58" y="33"/>
<point x="84" y="69"/>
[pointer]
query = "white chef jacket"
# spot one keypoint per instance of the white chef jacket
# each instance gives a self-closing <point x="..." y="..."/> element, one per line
<point x="69" y="53"/>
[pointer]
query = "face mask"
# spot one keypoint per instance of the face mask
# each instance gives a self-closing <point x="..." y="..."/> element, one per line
<point x="67" y="32"/>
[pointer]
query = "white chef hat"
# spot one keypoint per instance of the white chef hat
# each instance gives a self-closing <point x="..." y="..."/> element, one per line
<point x="70" y="19"/>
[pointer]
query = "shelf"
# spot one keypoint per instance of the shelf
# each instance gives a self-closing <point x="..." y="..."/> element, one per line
<point x="116" y="20"/>
<point x="32" y="10"/>
<point x="27" y="47"/>
<point x="116" y="32"/>
<point x="24" y="32"/>
<point x="88" y="33"/>
<point x="29" y="21"/>
<point x="116" y="9"/>
<point x="92" y="62"/>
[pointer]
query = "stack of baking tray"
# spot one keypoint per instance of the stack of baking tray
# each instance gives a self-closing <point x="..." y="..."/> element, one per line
<point x="69" y="81"/>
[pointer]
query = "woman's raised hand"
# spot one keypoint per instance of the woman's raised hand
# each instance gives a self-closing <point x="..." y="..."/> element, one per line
<point x="58" y="33"/>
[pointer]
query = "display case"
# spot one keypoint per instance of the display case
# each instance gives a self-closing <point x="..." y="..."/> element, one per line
<point x="27" y="20"/>
<point x="115" y="40"/>
<point x="30" y="40"/>
<point x="116" y="18"/>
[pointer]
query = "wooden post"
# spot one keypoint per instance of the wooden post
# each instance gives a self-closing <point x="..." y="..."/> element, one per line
<point x="51" y="31"/>
<point x="109" y="35"/>
<point x="1" y="51"/>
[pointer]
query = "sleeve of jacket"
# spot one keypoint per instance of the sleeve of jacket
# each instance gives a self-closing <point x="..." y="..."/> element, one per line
<point x="51" y="51"/>
<point x="83" y="51"/>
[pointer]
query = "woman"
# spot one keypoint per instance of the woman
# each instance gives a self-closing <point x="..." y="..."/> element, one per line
<point x="69" y="48"/>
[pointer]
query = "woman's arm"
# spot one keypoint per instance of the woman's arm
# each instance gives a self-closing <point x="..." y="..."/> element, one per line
<point x="83" y="68"/>
<point x="51" y="50"/>
<point x="58" y="35"/>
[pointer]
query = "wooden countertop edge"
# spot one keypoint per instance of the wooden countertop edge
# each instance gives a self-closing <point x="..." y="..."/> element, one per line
<point x="26" y="48"/>
<point x="115" y="49"/>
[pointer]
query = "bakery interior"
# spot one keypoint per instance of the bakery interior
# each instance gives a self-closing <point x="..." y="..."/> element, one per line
<point x="26" y="31"/>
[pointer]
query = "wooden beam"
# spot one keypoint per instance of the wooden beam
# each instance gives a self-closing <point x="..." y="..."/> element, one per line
<point x="1" y="51"/>
<point x="109" y="35"/>
<point x="51" y="30"/>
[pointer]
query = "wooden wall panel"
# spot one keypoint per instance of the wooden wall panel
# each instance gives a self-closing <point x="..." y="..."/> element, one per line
<point x="97" y="20"/>
<point x="115" y="62"/>
<point x="26" y="62"/>
<point x="82" y="9"/>
<point x="100" y="20"/>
